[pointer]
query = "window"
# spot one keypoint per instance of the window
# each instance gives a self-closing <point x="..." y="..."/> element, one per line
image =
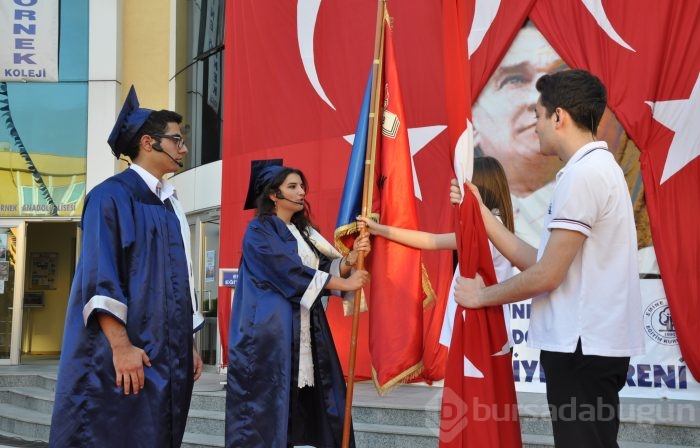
<point x="198" y="80"/>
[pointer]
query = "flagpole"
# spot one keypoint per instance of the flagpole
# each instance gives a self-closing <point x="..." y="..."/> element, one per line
<point x="366" y="206"/>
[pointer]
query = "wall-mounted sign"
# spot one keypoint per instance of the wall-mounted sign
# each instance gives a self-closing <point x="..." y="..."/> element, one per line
<point x="34" y="299"/>
<point x="228" y="277"/>
<point x="29" y="33"/>
<point x="210" y="262"/>
<point x="43" y="267"/>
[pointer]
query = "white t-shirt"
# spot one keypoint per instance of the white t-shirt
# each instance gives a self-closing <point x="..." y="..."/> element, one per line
<point x="504" y="270"/>
<point x="599" y="300"/>
<point x="529" y="213"/>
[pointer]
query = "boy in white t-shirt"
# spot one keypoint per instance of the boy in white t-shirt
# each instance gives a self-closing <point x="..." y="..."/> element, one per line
<point x="586" y="310"/>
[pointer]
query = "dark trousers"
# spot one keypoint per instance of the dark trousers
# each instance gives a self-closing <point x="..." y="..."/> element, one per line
<point x="582" y="391"/>
<point x="310" y="422"/>
<point x="304" y="419"/>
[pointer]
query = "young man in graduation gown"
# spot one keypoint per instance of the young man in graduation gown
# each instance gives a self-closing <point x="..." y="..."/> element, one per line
<point x="128" y="361"/>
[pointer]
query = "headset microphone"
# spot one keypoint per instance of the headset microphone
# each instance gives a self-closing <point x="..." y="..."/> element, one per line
<point x="279" y="195"/>
<point x="160" y="149"/>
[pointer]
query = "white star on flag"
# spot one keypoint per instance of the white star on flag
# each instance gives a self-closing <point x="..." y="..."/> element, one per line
<point x="418" y="138"/>
<point x="682" y="117"/>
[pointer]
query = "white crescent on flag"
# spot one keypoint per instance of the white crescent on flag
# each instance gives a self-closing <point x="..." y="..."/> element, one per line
<point x="595" y="7"/>
<point x="484" y="13"/>
<point x="307" y="13"/>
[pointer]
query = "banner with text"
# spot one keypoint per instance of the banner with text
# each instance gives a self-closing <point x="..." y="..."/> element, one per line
<point x="660" y="373"/>
<point x="29" y="41"/>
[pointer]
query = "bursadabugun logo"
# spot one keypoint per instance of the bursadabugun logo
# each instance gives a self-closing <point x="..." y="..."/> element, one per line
<point x="454" y="415"/>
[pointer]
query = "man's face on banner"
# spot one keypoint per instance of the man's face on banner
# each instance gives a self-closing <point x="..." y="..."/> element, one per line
<point x="504" y="118"/>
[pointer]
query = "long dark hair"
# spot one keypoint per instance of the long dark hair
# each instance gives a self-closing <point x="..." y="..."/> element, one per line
<point x="266" y="207"/>
<point x="490" y="178"/>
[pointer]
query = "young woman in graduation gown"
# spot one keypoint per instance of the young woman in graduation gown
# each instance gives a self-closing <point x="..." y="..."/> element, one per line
<point x="285" y="384"/>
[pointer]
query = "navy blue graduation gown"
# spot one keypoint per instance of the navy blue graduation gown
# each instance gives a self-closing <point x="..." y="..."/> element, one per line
<point x="132" y="266"/>
<point x="263" y="356"/>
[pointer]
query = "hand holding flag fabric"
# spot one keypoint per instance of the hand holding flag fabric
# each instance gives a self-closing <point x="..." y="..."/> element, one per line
<point x="478" y="372"/>
<point x="467" y="291"/>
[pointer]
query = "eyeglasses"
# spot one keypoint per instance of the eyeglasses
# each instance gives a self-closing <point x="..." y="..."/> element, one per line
<point x="178" y="139"/>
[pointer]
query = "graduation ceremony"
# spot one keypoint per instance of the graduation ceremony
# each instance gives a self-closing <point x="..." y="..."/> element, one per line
<point x="349" y="223"/>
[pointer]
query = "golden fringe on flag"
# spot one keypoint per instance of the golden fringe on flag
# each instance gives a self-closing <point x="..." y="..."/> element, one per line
<point x="347" y="230"/>
<point x="407" y="375"/>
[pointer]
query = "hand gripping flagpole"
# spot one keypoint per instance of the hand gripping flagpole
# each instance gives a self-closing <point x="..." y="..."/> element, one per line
<point x="366" y="205"/>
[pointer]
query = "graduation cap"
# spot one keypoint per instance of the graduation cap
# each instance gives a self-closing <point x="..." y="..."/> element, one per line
<point x="129" y="121"/>
<point x="261" y="173"/>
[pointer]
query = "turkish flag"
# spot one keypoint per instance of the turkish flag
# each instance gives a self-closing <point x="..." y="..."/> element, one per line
<point x="650" y="63"/>
<point x="479" y="405"/>
<point x="294" y="76"/>
<point x="493" y="26"/>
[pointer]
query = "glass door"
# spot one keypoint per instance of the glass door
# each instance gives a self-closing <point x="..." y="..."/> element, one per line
<point x="12" y="244"/>
<point x="210" y="344"/>
<point x="204" y="229"/>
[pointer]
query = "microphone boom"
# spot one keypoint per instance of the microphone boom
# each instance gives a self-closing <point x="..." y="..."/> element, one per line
<point x="161" y="150"/>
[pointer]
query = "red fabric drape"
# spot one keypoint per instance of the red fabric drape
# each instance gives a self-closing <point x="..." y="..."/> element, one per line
<point x="395" y="344"/>
<point x="498" y="34"/>
<point x="650" y="62"/>
<point x="479" y="406"/>
<point x="273" y="108"/>
<point x="479" y="393"/>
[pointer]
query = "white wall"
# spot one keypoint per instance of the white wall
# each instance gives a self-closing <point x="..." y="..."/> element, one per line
<point x="199" y="188"/>
<point x="104" y="87"/>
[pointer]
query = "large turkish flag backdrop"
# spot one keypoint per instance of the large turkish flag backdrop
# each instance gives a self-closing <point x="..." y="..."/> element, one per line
<point x="294" y="80"/>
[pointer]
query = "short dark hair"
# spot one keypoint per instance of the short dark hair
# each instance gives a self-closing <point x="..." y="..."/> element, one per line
<point x="156" y="123"/>
<point x="578" y="92"/>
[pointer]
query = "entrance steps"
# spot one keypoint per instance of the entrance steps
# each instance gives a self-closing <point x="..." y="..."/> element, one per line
<point x="406" y="417"/>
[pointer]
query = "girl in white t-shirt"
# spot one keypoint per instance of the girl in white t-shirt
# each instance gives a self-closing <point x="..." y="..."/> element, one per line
<point x="490" y="179"/>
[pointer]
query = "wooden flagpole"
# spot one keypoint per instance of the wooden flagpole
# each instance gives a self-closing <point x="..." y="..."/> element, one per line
<point x="366" y="204"/>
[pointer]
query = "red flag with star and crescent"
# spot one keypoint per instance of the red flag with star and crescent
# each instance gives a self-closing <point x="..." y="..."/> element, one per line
<point x="653" y="81"/>
<point x="303" y="109"/>
<point x="295" y="73"/>
<point x="479" y="405"/>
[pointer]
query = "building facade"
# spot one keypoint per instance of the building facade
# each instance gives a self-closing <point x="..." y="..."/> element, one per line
<point x="53" y="143"/>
